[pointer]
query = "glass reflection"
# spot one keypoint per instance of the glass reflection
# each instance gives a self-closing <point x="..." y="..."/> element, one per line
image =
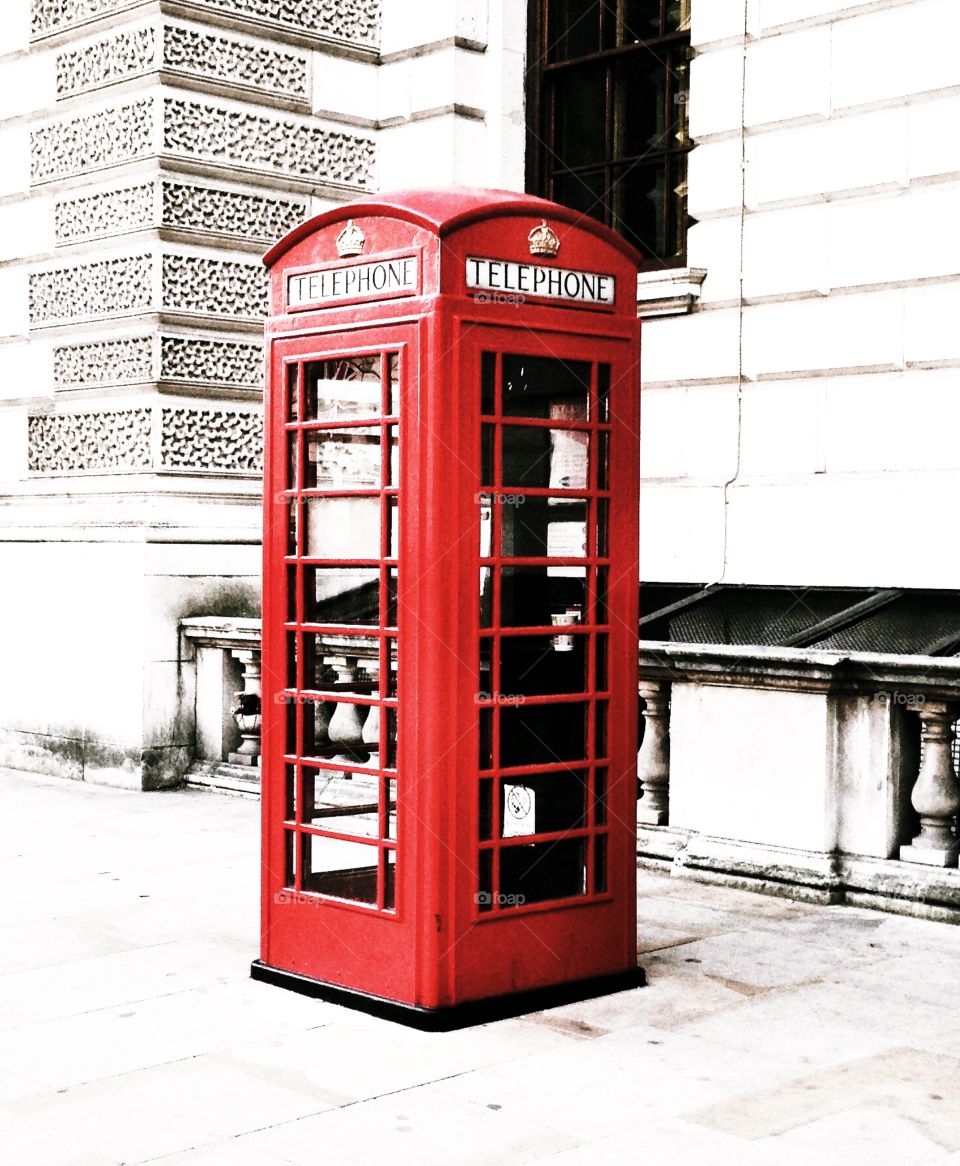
<point x="344" y="388"/>
<point x="537" y="596"/>
<point x="342" y="459"/>
<point x="539" y="386"/>
<point x="342" y="528"/>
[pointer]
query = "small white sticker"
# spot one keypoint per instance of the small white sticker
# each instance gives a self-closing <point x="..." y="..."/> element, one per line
<point x="519" y="811"/>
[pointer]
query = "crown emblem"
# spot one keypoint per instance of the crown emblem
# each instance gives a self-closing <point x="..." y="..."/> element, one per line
<point x="350" y="241"/>
<point x="544" y="241"/>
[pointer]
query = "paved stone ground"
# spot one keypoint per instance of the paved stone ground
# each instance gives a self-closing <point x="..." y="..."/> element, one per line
<point x="770" y="1033"/>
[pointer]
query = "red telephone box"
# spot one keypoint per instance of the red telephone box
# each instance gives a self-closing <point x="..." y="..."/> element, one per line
<point x="450" y="608"/>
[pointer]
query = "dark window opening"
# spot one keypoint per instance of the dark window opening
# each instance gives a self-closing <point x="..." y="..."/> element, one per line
<point x="607" y="99"/>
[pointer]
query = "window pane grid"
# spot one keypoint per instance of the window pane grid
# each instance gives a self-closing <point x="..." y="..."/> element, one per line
<point x="537" y="677"/>
<point x="608" y="133"/>
<point x="341" y="741"/>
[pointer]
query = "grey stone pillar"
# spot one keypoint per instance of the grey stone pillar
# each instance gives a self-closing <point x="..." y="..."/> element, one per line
<point x="936" y="795"/>
<point x="653" y="760"/>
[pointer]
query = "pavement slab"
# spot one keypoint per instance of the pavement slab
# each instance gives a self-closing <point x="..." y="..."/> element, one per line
<point x="770" y="1032"/>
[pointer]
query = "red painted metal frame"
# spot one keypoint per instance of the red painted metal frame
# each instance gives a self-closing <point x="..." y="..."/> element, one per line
<point x="438" y="948"/>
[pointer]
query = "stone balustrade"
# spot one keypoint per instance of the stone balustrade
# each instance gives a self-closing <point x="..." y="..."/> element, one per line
<point x="823" y="775"/>
<point x="819" y="775"/>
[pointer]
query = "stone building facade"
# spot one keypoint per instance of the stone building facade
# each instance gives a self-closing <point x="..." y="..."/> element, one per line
<point x="152" y="151"/>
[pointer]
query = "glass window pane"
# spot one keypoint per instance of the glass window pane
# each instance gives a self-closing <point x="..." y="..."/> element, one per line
<point x="676" y="15"/>
<point x="344" y="388"/>
<point x="344" y="870"/>
<point x="584" y="192"/>
<point x="642" y="121"/>
<point x="293" y="523"/>
<point x="600" y="798"/>
<point x="538" y="734"/>
<point x="600" y="731"/>
<point x="393" y="456"/>
<point x="545" y="458"/>
<point x="543" y="387"/>
<point x="341" y="595"/>
<point x="391" y="808"/>
<point x="291" y="791"/>
<point x="600" y="863"/>
<point x="603" y="461"/>
<point x="573" y="29"/>
<point x="486" y="669"/>
<point x="293" y="459"/>
<point x="541" y="871"/>
<point x="486" y="809"/>
<point x="486" y="525"/>
<point x="532" y="596"/>
<point x="488" y="381"/>
<point x="293" y="371"/>
<point x="486" y="738"/>
<point x="543" y="665"/>
<point x="603" y="392"/>
<point x="342" y="459"/>
<point x="636" y="20"/>
<point x="342" y="528"/>
<point x="339" y="664"/>
<point x="602" y="527"/>
<point x="544" y="527"/>
<point x="390" y="881"/>
<point x="486" y="455"/>
<point x="486" y="597"/>
<point x="343" y="803"/>
<point x="388" y="718"/>
<point x="543" y="803"/>
<point x="393" y="383"/>
<point x="601" y="657"/>
<point x="393" y="528"/>
<point x="580" y="97"/>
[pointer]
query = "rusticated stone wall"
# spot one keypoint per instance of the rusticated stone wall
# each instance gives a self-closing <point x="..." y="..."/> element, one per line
<point x="185" y="146"/>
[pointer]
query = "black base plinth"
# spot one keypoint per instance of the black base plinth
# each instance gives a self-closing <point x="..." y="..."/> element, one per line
<point x="465" y="1015"/>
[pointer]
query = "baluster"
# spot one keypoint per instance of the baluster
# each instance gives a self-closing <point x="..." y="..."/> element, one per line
<point x="936" y="795"/>
<point x="653" y="760"/>
<point x="346" y="725"/>
<point x="324" y="677"/>
<point x="247" y="713"/>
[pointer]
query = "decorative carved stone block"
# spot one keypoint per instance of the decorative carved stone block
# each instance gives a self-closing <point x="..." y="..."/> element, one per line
<point x="192" y="283"/>
<point x="230" y="212"/>
<point x="196" y="130"/>
<point x="350" y="22"/>
<point x="181" y="207"/>
<point x="103" y="362"/>
<point x="104" y="288"/>
<point x="108" y="212"/>
<point x="354" y="22"/>
<point x="222" y="58"/>
<point x="75" y="442"/>
<point x="89" y="142"/>
<point x="219" y="440"/>
<point x="207" y="439"/>
<point x="49" y="16"/>
<point x="221" y="362"/>
<point x="113" y="59"/>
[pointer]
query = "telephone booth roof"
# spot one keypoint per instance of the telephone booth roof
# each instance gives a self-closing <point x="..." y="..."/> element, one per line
<point x="447" y="210"/>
